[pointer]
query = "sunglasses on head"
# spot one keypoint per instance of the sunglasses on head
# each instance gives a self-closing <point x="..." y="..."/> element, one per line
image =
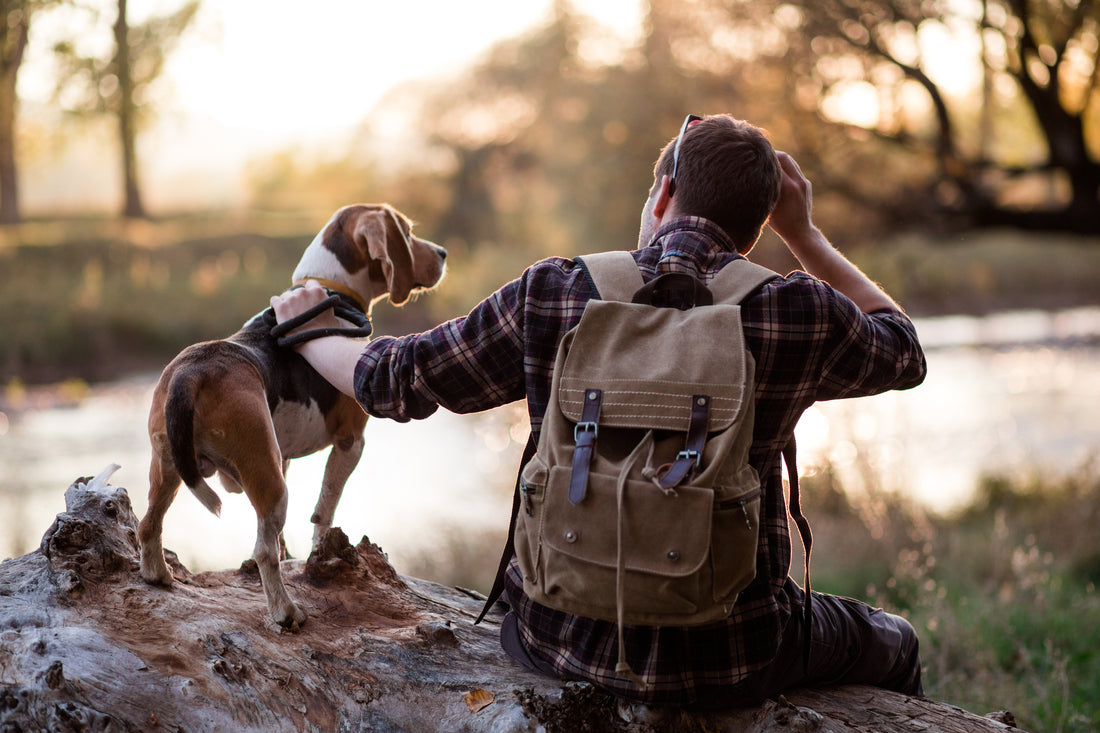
<point x="676" y="151"/>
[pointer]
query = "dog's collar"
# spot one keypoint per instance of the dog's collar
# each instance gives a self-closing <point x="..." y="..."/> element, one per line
<point x="336" y="287"/>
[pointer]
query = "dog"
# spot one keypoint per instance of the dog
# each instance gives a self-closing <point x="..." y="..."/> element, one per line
<point x="244" y="406"/>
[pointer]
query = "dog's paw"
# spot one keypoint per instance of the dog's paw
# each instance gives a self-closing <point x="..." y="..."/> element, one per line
<point x="292" y="619"/>
<point x="156" y="573"/>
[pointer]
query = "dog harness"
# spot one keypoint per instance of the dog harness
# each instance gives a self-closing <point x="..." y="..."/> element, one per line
<point x="345" y="308"/>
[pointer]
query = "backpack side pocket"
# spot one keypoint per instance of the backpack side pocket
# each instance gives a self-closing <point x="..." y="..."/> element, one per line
<point x="736" y="532"/>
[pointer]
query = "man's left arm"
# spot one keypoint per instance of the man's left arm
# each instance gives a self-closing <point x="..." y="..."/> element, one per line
<point x="465" y="365"/>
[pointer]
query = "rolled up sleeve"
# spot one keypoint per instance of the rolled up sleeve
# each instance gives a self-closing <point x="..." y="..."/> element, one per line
<point x="465" y="365"/>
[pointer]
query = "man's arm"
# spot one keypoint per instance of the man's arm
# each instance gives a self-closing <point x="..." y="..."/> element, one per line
<point x="791" y="220"/>
<point x="334" y="357"/>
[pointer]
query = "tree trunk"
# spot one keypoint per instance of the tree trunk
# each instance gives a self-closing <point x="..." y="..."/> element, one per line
<point x="14" y="44"/>
<point x="86" y="645"/>
<point x="127" y="123"/>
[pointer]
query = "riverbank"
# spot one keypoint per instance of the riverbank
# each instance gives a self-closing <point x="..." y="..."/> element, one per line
<point x="97" y="300"/>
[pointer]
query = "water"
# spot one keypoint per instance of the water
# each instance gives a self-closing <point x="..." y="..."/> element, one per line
<point x="1008" y="394"/>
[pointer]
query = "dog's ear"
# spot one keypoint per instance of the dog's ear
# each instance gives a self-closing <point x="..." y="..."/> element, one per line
<point x="387" y="243"/>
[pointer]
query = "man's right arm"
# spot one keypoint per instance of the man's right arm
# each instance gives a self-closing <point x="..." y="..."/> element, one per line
<point x="791" y="220"/>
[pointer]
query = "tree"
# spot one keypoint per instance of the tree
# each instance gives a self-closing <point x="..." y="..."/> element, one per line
<point x="15" y="20"/>
<point x="94" y="86"/>
<point x="1040" y="63"/>
<point x="88" y="646"/>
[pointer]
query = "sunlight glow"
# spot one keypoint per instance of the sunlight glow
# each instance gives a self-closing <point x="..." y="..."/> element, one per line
<point x="855" y="103"/>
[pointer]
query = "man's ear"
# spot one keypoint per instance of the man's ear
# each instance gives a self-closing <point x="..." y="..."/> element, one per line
<point x="660" y="204"/>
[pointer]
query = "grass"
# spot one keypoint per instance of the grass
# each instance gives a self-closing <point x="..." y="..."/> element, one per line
<point x="96" y="300"/>
<point x="1003" y="594"/>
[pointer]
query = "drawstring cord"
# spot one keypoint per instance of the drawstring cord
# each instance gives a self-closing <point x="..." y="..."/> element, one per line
<point x="622" y="668"/>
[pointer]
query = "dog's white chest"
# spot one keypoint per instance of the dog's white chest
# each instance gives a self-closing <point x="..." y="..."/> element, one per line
<point x="300" y="428"/>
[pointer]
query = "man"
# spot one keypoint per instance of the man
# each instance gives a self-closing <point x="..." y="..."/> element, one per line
<point x="714" y="188"/>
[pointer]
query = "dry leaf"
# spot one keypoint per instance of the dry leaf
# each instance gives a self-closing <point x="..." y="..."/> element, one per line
<point x="478" y="699"/>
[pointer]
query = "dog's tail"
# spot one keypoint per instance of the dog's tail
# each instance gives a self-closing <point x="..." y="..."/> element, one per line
<point x="179" y="414"/>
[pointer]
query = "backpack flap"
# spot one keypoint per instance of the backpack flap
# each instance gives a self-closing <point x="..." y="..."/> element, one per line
<point x="659" y="392"/>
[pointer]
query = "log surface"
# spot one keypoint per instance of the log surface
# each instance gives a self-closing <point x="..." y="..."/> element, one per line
<point x="86" y="645"/>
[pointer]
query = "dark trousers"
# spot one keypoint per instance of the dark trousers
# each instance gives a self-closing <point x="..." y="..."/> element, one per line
<point x="851" y="643"/>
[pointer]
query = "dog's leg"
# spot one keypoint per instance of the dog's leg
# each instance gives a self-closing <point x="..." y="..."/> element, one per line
<point x="284" y="552"/>
<point x="267" y="551"/>
<point x="259" y="463"/>
<point x="164" y="483"/>
<point x="342" y="460"/>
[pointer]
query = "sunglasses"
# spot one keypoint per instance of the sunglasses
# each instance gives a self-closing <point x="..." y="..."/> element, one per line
<point x="676" y="151"/>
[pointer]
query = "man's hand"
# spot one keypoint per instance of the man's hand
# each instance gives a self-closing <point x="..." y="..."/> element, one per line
<point x="334" y="357"/>
<point x="294" y="302"/>
<point x="791" y="218"/>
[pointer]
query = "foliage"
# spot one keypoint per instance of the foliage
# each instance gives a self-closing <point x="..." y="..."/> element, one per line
<point x="89" y="83"/>
<point x="109" y="300"/>
<point x="549" y="141"/>
<point x="868" y="69"/>
<point x="1003" y="594"/>
<point x="116" y="85"/>
<point x="14" y="35"/>
<point x="96" y="299"/>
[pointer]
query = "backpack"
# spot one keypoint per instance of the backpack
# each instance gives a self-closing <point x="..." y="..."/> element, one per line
<point x="639" y="505"/>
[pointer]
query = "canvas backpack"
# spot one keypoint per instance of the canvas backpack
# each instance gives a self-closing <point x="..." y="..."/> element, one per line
<point x="638" y="505"/>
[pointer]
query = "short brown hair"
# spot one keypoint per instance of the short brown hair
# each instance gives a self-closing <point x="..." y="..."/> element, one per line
<point x="728" y="173"/>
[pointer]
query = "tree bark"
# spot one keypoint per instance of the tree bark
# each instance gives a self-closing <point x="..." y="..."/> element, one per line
<point x="132" y="208"/>
<point x="86" y="645"/>
<point x="13" y="42"/>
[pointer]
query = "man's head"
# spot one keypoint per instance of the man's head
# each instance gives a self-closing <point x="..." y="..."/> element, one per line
<point x="726" y="172"/>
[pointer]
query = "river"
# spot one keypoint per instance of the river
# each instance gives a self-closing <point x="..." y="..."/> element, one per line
<point x="1008" y="394"/>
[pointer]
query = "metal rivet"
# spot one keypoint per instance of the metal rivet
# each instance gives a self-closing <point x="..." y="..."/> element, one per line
<point x="674" y="555"/>
<point x="591" y="395"/>
<point x="570" y="536"/>
<point x="701" y="401"/>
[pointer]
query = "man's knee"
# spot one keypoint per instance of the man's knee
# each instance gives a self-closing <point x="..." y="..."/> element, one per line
<point x="897" y="651"/>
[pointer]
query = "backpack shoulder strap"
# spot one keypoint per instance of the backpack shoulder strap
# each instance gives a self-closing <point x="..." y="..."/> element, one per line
<point x="615" y="274"/>
<point x="734" y="282"/>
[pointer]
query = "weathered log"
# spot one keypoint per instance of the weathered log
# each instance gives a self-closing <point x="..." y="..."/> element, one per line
<point x="86" y="645"/>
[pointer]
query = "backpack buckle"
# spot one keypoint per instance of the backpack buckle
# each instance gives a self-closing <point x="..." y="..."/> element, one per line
<point x="690" y="455"/>
<point x="585" y="426"/>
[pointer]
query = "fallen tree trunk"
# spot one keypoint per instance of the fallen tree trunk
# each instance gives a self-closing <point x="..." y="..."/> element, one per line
<point x="86" y="645"/>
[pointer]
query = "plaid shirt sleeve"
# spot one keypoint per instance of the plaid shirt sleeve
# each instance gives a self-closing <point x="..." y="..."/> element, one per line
<point x="500" y="352"/>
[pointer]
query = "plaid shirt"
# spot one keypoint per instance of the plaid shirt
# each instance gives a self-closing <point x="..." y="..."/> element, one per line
<point x="809" y="343"/>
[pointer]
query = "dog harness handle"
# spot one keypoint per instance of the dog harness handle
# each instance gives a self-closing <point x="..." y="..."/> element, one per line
<point x="340" y="307"/>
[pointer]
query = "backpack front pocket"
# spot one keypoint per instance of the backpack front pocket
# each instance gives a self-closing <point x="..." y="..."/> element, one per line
<point x="666" y="541"/>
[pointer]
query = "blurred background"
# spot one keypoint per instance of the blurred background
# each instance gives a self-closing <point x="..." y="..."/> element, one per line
<point x="163" y="164"/>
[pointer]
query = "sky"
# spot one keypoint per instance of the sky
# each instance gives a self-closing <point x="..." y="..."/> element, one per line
<point x="252" y="76"/>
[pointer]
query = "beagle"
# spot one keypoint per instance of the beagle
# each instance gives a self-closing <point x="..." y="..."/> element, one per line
<point x="244" y="406"/>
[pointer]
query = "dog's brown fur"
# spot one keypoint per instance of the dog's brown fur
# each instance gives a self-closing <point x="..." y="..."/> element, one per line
<point x="243" y="406"/>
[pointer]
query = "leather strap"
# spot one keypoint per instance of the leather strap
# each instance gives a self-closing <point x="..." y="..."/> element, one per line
<point x="688" y="459"/>
<point x="789" y="453"/>
<point x="510" y="542"/>
<point x="614" y="274"/>
<point x="585" y="436"/>
<point x="738" y="279"/>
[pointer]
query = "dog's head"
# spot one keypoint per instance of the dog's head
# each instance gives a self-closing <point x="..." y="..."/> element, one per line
<point x="370" y="250"/>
